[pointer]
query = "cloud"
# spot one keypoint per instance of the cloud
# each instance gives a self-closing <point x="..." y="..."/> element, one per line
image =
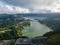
<point x="33" y="6"/>
<point x="4" y="8"/>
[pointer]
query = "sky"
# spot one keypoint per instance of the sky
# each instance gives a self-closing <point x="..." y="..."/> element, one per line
<point x="29" y="6"/>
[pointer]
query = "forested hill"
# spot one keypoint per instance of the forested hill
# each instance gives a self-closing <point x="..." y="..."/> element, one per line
<point x="53" y="22"/>
<point x="34" y="15"/>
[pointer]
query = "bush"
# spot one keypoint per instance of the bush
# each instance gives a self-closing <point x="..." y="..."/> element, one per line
<point x="53" y="40"/>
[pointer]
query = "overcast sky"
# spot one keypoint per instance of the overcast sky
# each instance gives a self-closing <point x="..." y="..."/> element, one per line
<point x="29" y="6"/>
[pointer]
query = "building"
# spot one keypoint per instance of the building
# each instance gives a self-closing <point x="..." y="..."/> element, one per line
<point x="30" y="41"/>
<point x="23" y="41"/>
<point x="1" y="43"/>
<point x="39" y="40"/>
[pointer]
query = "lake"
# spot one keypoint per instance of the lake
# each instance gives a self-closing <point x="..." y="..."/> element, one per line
<point x="36" y="29"/>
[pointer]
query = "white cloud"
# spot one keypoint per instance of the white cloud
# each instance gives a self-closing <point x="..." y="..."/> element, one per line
<point x="31" y="6"/>
<point x="4" y="8"/>
<point x="45" y="6"/>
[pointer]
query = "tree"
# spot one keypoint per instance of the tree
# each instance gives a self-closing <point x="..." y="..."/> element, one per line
<point x="12" y="31"/>
<point x="19" y="27"/>
<point x="54" y="38"/>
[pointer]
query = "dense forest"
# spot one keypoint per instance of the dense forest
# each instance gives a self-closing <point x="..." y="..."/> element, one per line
<point x="53" y="38"/>
<point x="10" y="29"/>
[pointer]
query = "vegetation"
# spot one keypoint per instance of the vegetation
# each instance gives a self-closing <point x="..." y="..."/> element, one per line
<point x="12" y="30"/>
<point x="54" y="38"/>
<point x="12" y="42"/>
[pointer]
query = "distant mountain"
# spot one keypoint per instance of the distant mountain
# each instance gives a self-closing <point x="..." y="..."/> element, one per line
<point x="53" y="22"/>
<point x="34" y="15"/>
